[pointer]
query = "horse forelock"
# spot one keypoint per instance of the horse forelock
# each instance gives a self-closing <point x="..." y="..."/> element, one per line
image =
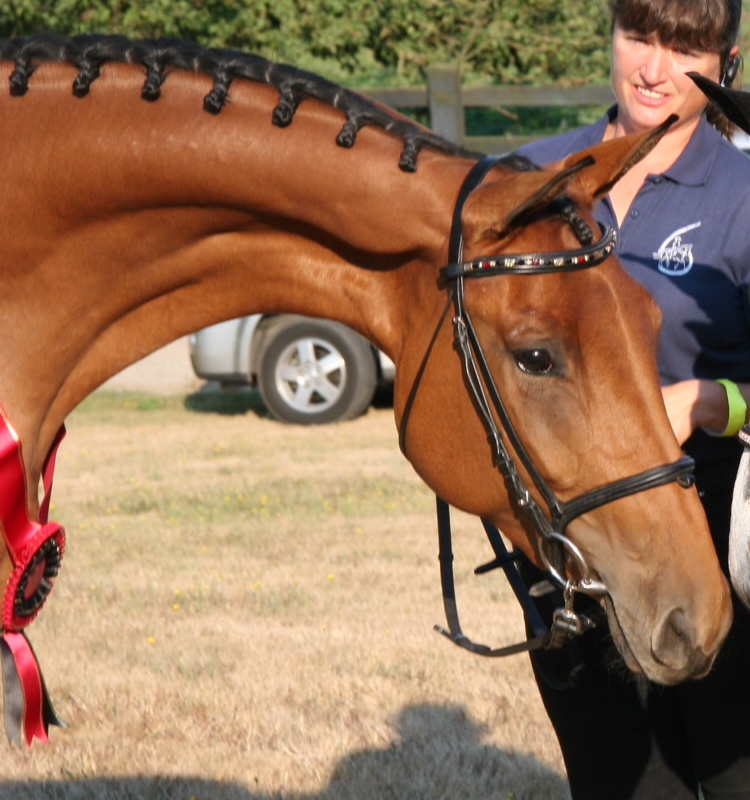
<point x="89" y="52"/>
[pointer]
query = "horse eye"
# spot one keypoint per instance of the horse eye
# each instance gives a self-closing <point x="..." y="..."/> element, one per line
<point x="535" y="361"/>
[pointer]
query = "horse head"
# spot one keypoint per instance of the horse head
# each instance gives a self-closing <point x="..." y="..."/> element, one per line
<point x="567" y="352"/>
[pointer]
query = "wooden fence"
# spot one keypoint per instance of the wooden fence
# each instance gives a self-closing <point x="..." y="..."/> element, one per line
<point x="447" y="100"/>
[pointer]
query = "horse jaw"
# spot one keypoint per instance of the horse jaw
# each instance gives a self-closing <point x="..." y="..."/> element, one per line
<point x="739" y="533"/>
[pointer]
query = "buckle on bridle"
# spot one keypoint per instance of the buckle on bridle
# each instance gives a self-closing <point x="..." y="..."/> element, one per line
<point x="566" y="622"/>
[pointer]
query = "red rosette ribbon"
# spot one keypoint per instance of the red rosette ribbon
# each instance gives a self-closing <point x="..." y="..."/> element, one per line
<point x="36" y="549"/>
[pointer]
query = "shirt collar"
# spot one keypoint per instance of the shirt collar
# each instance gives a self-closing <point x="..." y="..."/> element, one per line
<point x="694" y="166"/>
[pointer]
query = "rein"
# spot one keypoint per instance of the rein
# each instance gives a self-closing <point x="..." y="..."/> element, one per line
<point x="554" y="547"/>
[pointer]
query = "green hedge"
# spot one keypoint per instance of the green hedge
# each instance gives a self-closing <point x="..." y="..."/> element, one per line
<point x="363" y="42"/>
<point x="359" y="42"/>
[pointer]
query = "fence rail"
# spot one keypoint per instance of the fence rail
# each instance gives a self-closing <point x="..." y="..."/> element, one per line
<point x="446" y="99"/>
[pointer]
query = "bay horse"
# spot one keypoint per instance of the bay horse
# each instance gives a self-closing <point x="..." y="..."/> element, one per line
<point x="150" y="189"/>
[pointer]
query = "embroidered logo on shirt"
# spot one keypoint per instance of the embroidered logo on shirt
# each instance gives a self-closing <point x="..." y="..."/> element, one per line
<point x="674" y="255"/>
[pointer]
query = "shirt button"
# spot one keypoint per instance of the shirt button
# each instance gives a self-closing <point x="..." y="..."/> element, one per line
<point x="634" y="213"/>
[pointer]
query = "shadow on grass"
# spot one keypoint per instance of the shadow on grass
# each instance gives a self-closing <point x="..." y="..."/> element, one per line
<point x="437" y="752"/>
<point x="212" y="399"/>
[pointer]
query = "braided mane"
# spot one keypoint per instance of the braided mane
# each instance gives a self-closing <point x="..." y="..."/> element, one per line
<point x="89" y="52"/>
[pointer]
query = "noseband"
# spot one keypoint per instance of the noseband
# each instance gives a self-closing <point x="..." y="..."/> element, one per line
<point x="556" y="550"/>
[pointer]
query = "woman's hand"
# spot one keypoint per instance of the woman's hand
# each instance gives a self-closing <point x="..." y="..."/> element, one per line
<point x="680" y="400"/>
<point x="696" y="404"/>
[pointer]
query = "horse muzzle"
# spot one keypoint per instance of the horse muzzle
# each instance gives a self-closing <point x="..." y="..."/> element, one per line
<point x="679" y="644"/>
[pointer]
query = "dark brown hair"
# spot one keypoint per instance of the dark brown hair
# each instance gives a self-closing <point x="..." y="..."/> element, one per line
<point x="708" y="25"/>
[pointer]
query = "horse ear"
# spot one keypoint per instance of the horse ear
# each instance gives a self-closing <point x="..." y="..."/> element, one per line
<point x="549" y="189"/>
<point x="612" y="159"/>
<point x="494" y="209"/>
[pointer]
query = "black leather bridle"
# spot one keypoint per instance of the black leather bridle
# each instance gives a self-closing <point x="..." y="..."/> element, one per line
<point x="555" y="548"/>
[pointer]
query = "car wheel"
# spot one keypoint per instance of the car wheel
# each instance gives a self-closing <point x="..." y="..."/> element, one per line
<point x="315" y="371"/>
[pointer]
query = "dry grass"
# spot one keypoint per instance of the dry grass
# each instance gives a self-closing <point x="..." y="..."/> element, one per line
<point x="245" y="612"/>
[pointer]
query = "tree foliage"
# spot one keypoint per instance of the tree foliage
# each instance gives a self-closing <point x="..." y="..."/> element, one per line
<point x="360" y="42"/>
<point x="357" y="41"/>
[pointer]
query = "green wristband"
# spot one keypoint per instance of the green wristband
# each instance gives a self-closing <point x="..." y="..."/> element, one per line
<point x="737" y="408"/>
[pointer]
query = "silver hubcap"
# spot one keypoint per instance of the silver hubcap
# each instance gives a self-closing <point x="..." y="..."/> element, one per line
<point x="310" y="375"/>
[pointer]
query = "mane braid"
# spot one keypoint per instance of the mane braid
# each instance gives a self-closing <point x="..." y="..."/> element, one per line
<point x="580" y="227"/>
<point x="89" y="52"/>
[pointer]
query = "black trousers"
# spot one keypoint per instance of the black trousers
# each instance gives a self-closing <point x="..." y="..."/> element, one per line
<point x="622" y="739"/>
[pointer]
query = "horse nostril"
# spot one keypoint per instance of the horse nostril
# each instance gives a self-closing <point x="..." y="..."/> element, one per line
<point x="674" y="643"/>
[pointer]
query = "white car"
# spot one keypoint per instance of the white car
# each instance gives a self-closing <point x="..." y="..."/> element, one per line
<point x="308" y="371"/>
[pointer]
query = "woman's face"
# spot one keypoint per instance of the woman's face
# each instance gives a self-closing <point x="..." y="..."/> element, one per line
<point x="649" y="81"/>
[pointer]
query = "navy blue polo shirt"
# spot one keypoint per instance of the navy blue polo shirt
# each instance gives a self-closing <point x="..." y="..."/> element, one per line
<point x="686" y="238"/>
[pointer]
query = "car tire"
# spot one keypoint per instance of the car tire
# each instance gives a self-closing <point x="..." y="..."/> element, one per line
<point x="314" y="371"/>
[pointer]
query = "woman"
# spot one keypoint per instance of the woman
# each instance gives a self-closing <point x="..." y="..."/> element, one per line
<point x="683" y="215"/>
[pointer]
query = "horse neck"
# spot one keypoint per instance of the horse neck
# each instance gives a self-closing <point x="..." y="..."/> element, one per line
<point x="159" y="219"/>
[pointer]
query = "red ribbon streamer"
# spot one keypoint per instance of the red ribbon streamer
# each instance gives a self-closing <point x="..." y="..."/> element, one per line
<point x="27" y="709"/>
